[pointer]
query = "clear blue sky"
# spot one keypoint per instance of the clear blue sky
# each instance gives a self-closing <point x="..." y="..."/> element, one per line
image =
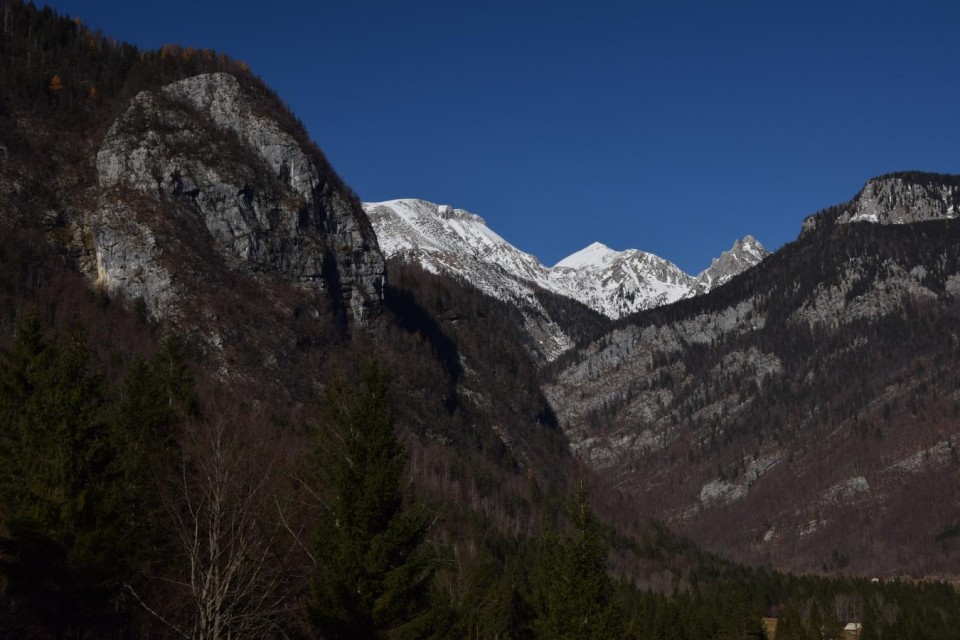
<point x="673" y="127"/>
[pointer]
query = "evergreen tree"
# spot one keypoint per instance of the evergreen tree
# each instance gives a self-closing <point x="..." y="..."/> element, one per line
<point x="871" y="620"/>
<point x="572" y="593"/>
<point x="64" y="549"/>
<point x="372" y="570"/>
<point x="144" y="427"/>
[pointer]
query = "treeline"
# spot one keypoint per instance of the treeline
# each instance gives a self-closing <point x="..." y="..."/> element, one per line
<point x="60" y="68"/>
<point x="62" y="84"/>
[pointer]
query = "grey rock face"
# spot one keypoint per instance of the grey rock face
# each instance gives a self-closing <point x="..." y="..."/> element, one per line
<point x="897" y="199"/>
<point x="900" y="200"/>
<point x="833" y="305"/>
<point x="198" y="149"/>
<point x="618" y="374"/>
<point x="743" y="255"/>
<point x="127" y="259"/>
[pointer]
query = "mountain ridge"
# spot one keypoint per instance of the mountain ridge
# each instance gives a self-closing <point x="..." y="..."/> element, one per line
<point x="614" y="283"/>
<point x="814" y="392"/>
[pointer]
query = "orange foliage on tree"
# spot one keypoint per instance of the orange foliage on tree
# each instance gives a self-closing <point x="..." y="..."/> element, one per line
<point x="170" y="50"/>
<point x="56" y="84"/>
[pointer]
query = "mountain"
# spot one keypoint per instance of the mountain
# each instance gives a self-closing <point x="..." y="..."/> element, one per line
<point x="801" y="414"/>
<point x="615" y="283"/>
<point x="197" y="150"/>
<point x="457" y="243"/>
<point x="621" y="282"/>
<point x="189" y="292"/>
<point x="744" y="254"/>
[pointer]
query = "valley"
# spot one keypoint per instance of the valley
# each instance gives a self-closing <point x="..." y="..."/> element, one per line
<point x="236" y="401"/>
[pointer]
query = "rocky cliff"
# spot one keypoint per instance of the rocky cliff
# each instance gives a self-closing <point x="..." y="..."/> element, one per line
<point x="802" y="406"/>
<point x="897" y="198"/>
<point x="192" y="166"/>
<point x="744" y="254"/>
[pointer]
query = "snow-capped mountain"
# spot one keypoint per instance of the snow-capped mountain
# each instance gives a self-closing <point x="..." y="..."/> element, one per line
<point x="615" y="283"/>
<point x="458" y="243"/>
<point x="618" y="283"/>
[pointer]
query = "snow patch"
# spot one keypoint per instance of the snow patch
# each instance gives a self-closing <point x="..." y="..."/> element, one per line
<point x="615" y="283"/>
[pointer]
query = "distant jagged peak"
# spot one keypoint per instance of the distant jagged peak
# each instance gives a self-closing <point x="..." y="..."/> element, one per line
<point x="744" y="254"/>
<point x="750" y="246"/>
<point x="615" y="283"/>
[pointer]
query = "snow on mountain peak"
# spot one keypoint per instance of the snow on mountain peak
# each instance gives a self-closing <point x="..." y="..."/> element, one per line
<point x="615" y="283"/>
<point x="594" y="255"/>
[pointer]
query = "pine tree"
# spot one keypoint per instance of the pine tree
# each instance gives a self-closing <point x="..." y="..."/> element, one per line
<point x="63" y="544"/>
<point x="144" y="427"/>
<point x="572" y="593"/>
<point x="372" y="570"/>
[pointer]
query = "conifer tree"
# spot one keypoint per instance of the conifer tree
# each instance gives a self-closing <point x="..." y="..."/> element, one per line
<point x="572" y="593"/>
<point x="63" y="544"/>
<point x="372" y="570"/>
<point x="144" y="428"/>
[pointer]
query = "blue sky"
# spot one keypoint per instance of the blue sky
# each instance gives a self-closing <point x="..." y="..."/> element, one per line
<point x="672" y="127"/>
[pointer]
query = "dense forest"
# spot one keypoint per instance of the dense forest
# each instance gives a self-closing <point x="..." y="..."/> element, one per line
<point x="422" y="489"/>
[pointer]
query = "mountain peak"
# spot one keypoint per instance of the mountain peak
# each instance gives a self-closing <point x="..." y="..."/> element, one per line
<point x="417" y="206"/>
<point x="443" y="239"/>
<point x="595" y="254"/>
<point x="744" y="253"/>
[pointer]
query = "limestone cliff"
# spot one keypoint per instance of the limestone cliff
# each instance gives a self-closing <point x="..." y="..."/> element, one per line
<point x="195" y="158"/>
<point x="897" y="198"/>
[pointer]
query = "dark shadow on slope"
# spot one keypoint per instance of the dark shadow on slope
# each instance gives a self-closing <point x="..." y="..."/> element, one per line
<point x="416" y="320"/>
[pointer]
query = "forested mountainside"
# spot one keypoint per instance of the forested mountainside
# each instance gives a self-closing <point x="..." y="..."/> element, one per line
<point x="804" y="414"/>
<point x="222" y="414"/>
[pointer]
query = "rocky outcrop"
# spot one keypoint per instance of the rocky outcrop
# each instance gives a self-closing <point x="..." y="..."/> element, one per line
<point x="904" y="198"/>
<point x="196" y="152"/>
<point x="897" y="198"/>
<point x="127" y="260"/>
<point x="743" y="255"/>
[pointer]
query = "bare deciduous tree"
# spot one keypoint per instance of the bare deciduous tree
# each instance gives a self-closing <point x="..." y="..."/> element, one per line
<point x="230" y="576"/>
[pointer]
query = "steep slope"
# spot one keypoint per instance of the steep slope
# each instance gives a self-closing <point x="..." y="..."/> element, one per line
<point x="458" y="243"/>
<point x="800" y="414"/>
<point x="620" y="282"/>
<point x="192" y="198"/>
<point x="196" y="150"/>
<point x="744" y="254"/>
